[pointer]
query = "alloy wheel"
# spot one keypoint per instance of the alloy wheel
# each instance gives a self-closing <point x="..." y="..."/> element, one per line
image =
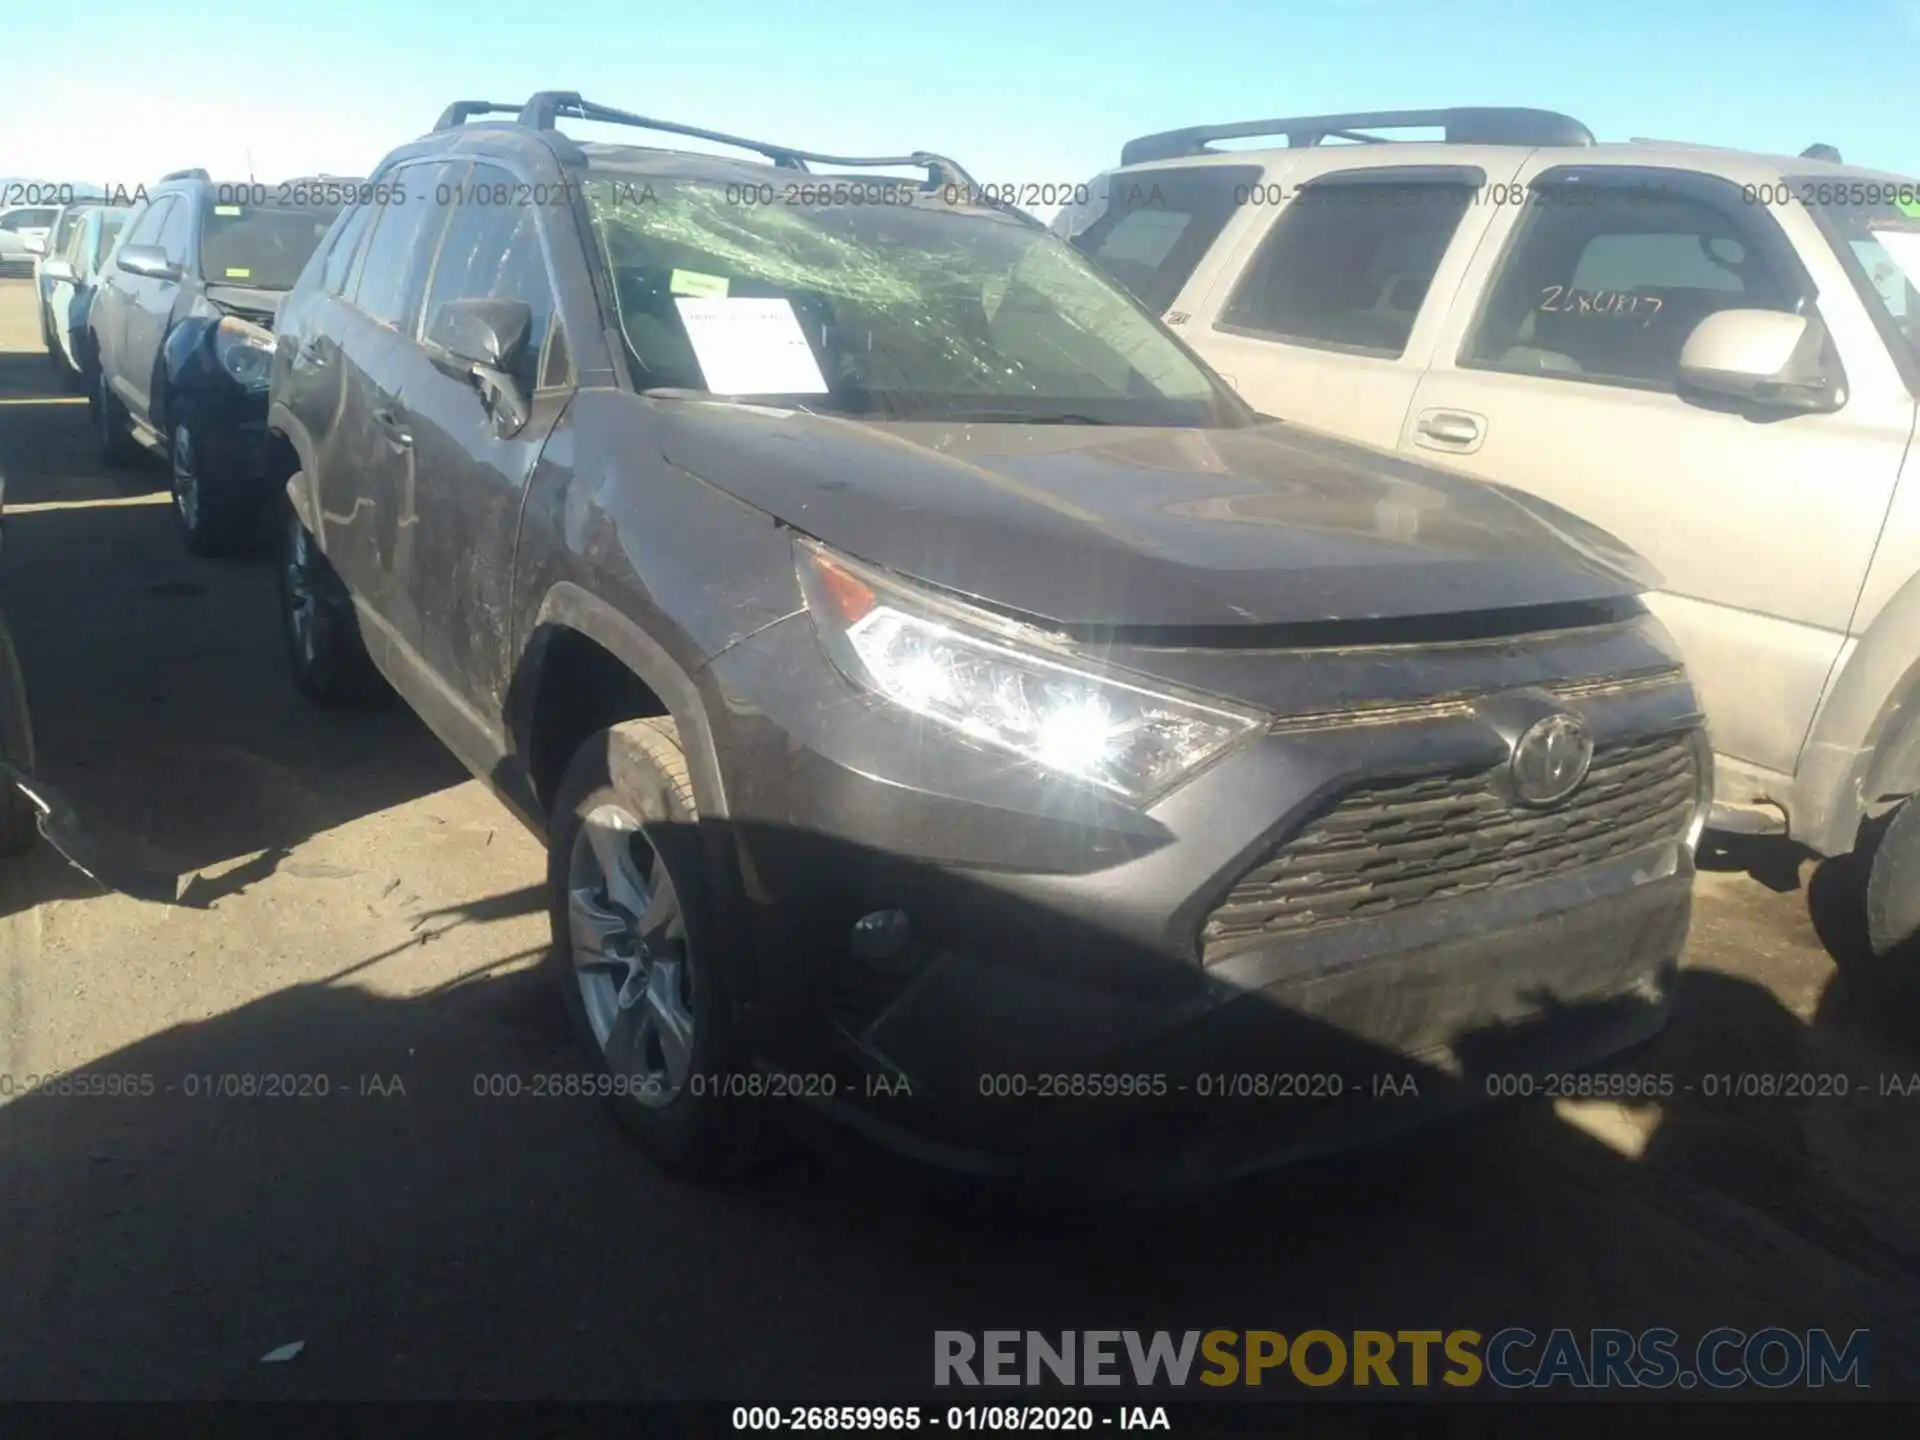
<point x="186" y="479"/>
<point x="298" y="581"/>
<point x="630" y="958"/>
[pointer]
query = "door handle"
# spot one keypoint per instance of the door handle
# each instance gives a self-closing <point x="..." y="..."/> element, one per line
<point x="393" y="426"/>
<point x="1449" y="430"/>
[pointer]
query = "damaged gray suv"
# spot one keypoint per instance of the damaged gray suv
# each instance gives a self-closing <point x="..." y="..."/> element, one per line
<point x="945" y="703"/>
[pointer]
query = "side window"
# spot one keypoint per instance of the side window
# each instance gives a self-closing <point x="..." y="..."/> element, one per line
<point x="1158" y="225"/>
<point x="1347" y="264"/>
<point x="392" y="272"/>
<point x="146" y="225"/>
<point x="174" y="233"/>
<point x="493" y="251"/>
<point x="1606" y="283"/>
<point x="346" y="244"/>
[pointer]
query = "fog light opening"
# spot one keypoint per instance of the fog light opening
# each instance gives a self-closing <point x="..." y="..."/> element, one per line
<point x="880" y="935"/>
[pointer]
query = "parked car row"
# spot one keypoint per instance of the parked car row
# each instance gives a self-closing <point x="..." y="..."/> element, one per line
<point x="947" y="701"/>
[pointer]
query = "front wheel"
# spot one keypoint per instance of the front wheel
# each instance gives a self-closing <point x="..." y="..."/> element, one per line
<point x="211" y="523"/>
<point x="324" y="648"/>
<point x="18" y="818"/>
<point x="1893" y="886"/>
<point x="645" y="994"/>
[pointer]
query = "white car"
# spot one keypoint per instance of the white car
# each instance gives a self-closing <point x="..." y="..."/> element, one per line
<point x="1713" y="355"/>
<point x="67" y="277"/>
<point x="23" y="235"/>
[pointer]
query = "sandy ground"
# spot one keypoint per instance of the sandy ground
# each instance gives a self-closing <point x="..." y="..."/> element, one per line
<point x="366" y="914"/>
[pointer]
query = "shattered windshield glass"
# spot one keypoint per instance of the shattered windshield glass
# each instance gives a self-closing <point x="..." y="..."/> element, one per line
<point x="892" y="305"/>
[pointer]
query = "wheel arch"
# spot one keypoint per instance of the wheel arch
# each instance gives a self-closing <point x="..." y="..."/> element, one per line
<point x="1864" y="748"/>
<point x="549" y="711"/>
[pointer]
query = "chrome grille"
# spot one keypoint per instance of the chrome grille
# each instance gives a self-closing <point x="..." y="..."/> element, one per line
<point x="1389" y="844"/>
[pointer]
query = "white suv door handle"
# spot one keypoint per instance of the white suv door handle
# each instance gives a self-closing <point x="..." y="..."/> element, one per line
<point x="1449" y="430"/>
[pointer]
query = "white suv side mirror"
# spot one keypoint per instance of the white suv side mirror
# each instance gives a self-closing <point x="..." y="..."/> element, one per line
<point x="1764" y="357"/>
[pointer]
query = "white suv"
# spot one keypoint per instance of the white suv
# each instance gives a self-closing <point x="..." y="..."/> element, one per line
<point x="1712" y="354"/>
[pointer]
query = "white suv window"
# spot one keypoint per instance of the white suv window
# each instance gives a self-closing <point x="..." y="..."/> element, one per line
<point x="1149" y="230"/>
<point x="1605" y="282"/>
<point x="1347" y="264"/>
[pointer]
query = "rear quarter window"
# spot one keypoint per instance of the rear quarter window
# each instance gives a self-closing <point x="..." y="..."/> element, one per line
<point x="1150" y="229"/>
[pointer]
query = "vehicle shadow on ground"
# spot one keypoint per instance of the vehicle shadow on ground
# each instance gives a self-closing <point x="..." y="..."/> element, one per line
<point x="163" y="708"/>
<point x="426" y="1234"/>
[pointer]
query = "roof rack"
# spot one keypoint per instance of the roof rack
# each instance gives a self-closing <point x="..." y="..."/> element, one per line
<point x="455" y="115"/>
<point x="546" y="106"/>
<point x="196" y="173"/>
<point x="1479" y="125"/>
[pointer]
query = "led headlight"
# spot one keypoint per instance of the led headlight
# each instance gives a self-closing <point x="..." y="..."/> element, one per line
<point x="977" y="674"/>
<point x="244" y="351"/>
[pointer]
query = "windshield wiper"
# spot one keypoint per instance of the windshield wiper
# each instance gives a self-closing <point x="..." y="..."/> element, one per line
<point x="1022" y="417"/>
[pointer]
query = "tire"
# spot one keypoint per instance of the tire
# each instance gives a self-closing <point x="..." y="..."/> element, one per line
<point x="118" y="448"/>
<point x="631" y="782"/>
<point x="19" y="825"/>
<point x="1893" y="886"/>
<point x="211" y="524"/>
<point x="325" y="650"/>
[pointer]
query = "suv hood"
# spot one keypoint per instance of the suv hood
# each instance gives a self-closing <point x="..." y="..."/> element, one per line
<point x="1090" y="526"/>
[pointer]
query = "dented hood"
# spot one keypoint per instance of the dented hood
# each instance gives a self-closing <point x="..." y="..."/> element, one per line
<point x="1096" y="526"/>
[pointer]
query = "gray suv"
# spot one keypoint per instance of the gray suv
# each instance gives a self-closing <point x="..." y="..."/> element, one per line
<point x="946" y="704"/>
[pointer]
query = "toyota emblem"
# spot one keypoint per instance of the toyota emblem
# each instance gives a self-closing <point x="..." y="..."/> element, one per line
<point x="1550" y="759"/>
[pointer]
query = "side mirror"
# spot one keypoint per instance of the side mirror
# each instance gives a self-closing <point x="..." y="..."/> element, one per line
<point x="482" y="340"/>
<point x="59" y="270"/>
<point x="34" y="244"/>
<point x="1761" y="357"/>
<point x="148" y="260"/>
<point x="482" y="332"/>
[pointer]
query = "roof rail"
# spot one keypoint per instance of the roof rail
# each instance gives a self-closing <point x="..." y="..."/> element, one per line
<point x="1479" y="125"/>
<point x="546" y="106"/>
<point x="196" y="173"/>
<point x="455" y="115"/>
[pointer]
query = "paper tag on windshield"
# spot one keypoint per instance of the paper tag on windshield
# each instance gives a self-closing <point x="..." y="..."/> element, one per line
<point x="692" y="282"/>
<point x="1908" y="206"/>
<point x="235" y="273"/>
<point x="226" y="209"/>
<point x="750" y="347"/>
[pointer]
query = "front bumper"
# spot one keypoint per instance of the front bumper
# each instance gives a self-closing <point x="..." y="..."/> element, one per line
<point x="1051" y="1009"/>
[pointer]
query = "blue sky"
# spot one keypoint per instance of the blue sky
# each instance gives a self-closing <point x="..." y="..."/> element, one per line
<point x="1023" y="92"/>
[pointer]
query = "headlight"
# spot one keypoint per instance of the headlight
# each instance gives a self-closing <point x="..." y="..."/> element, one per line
<point x="978" y="675"/>
<point x="244" y="351"/>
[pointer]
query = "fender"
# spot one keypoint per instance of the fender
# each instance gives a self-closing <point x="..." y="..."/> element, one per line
<point x="1865" y="742"/>
<point x="282" y="422"/>
<point x="186" y="356"/>
<point x="568" y="606"/>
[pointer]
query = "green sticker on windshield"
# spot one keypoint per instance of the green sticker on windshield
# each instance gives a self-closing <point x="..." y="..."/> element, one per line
<point x="692" y="282"/>
<point x="1909" y="206"/>
<point x="226" y="209"/>
<point x="235" y="272"/>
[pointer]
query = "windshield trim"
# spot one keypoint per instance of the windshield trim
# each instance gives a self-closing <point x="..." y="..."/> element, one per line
<point x="1905" y="360"/>
<point x="1229" y="409"/>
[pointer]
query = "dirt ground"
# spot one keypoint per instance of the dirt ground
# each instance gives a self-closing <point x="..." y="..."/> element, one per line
<point x="361" y="911"/>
